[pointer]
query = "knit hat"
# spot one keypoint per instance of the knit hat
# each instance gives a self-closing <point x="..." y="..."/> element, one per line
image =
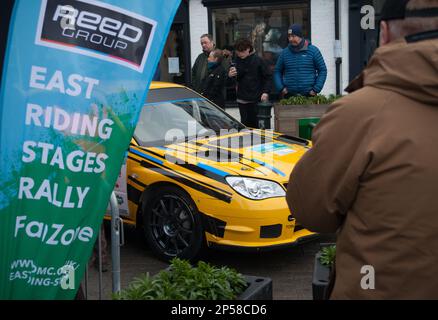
<point x="296" y="30"/>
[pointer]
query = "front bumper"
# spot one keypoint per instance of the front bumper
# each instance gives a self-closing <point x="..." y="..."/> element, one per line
<point x="254" y="234"/>
<point x="240" y="248"/>
<point x="250" y="224"/>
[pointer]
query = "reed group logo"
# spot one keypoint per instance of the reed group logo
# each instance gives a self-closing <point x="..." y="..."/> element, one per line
<point x="96" y="29"/>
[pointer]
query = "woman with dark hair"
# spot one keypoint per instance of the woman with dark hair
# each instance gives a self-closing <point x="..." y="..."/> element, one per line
<point x="253" y="81"/>
<point x="214" y="83"/>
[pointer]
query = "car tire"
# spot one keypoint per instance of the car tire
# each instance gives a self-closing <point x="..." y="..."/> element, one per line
<point x="172" y="224"/>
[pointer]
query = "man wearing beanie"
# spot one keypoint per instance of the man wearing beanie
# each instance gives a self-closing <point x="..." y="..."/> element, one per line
<point x="300" y="68"/>
<point x="372" y="172"/>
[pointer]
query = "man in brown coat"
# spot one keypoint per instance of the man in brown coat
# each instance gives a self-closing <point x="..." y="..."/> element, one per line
<point x="372" y="174"/>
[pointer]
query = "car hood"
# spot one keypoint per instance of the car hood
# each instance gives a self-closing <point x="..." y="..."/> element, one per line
<point x="254" y="153"/>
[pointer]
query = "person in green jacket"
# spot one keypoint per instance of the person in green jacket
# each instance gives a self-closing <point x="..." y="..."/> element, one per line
<point x="200" y="68"/>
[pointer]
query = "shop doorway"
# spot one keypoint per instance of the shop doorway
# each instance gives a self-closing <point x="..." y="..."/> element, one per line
<point x="363" y="43"/>
<point x="175" y="64"/>
<point x="173" y="67"/>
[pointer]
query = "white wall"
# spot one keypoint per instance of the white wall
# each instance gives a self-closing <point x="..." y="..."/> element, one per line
<point x="323" y="36"/>
<point x="198" y="26"/>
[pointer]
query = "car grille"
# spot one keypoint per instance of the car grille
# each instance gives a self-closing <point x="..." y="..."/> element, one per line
<point x="270" y="232"/>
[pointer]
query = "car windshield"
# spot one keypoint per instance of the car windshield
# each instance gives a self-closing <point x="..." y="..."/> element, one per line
<point x="176" y="114"/>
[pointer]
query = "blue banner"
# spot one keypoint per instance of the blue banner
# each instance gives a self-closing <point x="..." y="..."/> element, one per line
<point x="75" y="77"/>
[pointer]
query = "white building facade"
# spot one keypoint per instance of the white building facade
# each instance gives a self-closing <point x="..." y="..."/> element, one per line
<point x="322" y="27"/>
<point x="331" y="25"/>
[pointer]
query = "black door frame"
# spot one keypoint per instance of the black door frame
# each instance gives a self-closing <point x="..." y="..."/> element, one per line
<point x="182" y="17"/>
<point x="5" y="17"/>
<point x="362" y="43"/>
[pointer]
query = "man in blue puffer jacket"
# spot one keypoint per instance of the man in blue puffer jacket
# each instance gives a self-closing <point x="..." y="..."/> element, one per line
<point x="300" y="68"/>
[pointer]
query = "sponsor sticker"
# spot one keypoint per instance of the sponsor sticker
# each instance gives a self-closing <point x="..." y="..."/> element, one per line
<point x="276" y="148"/>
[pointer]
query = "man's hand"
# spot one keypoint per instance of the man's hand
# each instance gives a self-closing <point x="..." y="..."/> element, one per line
<point x="265" y="97"/>
<point x="232" y="72"/>
<point x="284" y="92"/>
<point x="312" y="93"/>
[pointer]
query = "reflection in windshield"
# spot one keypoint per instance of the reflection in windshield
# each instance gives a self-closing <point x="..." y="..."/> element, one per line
<point x="190" y="118"/>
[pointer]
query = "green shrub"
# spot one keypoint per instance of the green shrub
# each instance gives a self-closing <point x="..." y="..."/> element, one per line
<point x="328" y="255"/>
<point x="184" y="282"/>
<point x="301" y="100"/>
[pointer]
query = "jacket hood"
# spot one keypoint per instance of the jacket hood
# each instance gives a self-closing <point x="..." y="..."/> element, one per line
<point x="410" y="69"/>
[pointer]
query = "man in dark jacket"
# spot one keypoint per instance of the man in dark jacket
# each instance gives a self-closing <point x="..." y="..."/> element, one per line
<point x="300" y="68"/>
<point x="200" y="68"/>
<point x="253" y="81"/>
<point x="213" y="85"/>
<point x="372" y="172"/>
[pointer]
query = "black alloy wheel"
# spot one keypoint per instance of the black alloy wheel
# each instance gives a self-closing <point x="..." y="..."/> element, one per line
<point x="172" y="225"/>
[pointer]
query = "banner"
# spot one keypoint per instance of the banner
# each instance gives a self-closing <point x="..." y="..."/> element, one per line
<point x="75" y="76"/>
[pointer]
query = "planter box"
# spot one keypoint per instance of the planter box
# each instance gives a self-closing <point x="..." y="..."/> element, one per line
<point x="321" y="276"/>
<point x="287" y="116"/>
<point x="259" y="288"/>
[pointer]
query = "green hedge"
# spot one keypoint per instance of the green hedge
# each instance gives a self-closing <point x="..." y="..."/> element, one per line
<point x="302" y="100"/>
<point x="184" y="282"/>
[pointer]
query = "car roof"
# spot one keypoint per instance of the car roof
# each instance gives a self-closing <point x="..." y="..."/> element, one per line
<point x="163" y="85"/>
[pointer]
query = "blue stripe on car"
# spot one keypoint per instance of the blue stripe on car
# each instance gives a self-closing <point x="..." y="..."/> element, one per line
<point x="214" y="170"/>
<point x="153" y="159"/>
<point x="269" y="167"/>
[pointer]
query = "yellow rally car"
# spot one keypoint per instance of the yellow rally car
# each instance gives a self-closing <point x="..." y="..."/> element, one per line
<point x="195" y="176"/>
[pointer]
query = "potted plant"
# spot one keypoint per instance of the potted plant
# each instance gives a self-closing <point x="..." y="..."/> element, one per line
<point x="289" y="111"/>
<point x="324" y="263"/>
<point x="182" y="281"/>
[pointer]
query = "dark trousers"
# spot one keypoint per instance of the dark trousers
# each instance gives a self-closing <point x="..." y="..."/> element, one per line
<point x="248" y="114"/>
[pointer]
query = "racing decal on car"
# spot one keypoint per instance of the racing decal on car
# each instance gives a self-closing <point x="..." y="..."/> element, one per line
<point x="211" y="175"/>
<point x="279" y="149"/>
<point x="262" y="163"/>
<point x="96" y="29"/>
<point x="157" y="166"/>
<point x="159" y="162"/>
<point x="200" y="168"/>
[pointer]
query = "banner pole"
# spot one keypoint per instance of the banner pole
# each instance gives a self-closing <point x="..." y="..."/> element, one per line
<point x="115" y="242"/>
<point x="86" y="282"/>
<point x="99" y="239"/>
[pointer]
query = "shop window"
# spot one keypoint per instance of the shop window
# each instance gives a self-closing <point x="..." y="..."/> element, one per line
<point x="265" y="26"/>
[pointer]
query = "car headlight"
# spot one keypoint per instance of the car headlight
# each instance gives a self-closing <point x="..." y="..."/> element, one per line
<point x="256" y="189"/>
